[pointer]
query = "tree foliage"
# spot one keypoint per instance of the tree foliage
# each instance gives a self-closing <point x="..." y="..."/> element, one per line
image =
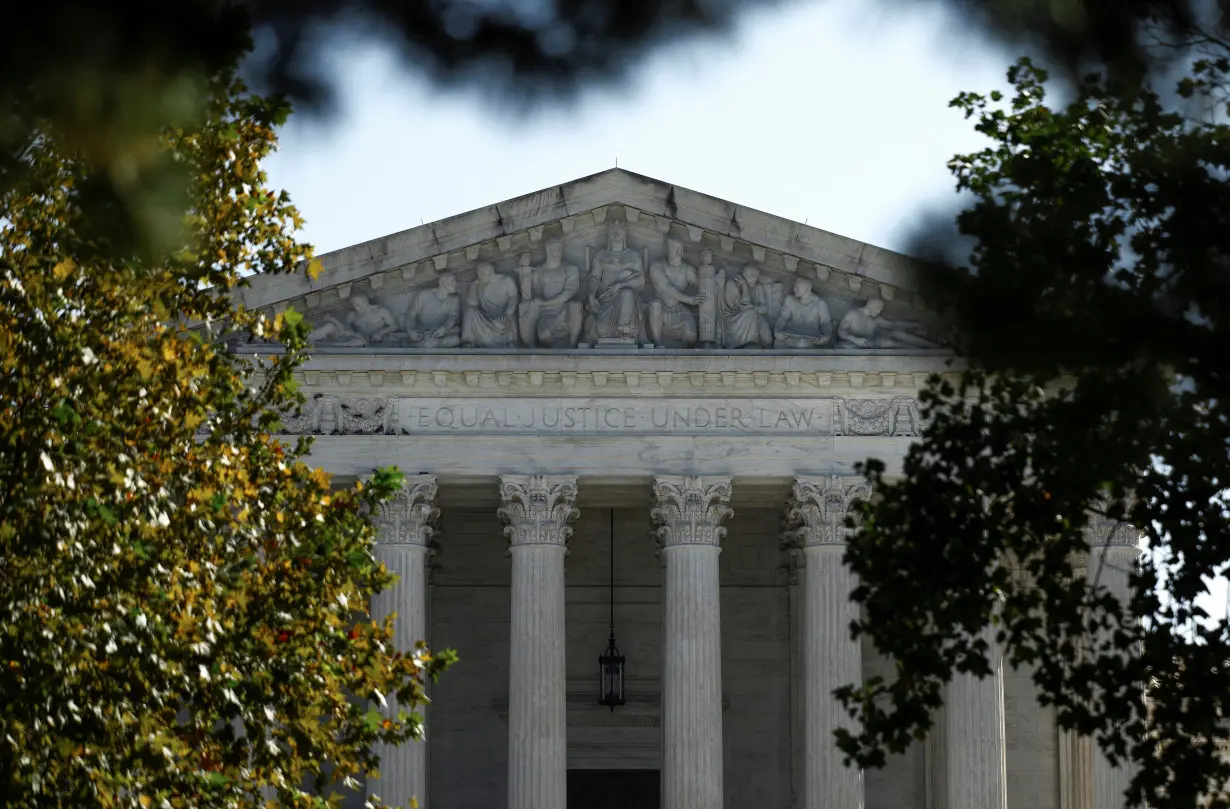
<point x="183" y="600"/>
<point x="1093" y="317"/>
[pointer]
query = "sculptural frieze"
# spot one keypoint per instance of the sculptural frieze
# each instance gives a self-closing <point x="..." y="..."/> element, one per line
<point x="433" y="319"/>
<point x="549" y="315"/>
<point x="365" y="324"/>
<point x="748" y="308"/>
<point x="672" y="315"/>
<point x="490" y="318"/>
<point x="803" y="321"/>
<point x="865" y="327"/>
<point x="625" y="292"/>
<point x="617" y="277"/>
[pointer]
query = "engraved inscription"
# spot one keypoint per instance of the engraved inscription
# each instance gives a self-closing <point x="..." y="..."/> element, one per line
<point x="628" y="416"/>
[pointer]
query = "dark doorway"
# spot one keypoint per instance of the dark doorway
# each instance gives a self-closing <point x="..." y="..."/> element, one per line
<point x="613" y="789"/>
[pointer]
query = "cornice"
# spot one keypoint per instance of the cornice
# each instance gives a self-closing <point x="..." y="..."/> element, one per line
<point x="576" y="373"/>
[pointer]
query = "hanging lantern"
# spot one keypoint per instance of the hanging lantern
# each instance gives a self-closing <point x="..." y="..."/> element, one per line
<point x="611" y="662"/>
<point x="611" y="673"/>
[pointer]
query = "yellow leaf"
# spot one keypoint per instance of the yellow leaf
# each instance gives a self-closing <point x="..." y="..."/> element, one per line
<point x="314" y="269"/>
<point x="144" y="801"/>
<point x="320" y="477"/>
<point x="63" y="269"/>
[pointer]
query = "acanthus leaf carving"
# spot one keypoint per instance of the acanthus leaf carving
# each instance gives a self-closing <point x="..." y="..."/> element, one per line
<point x="408" y="517"/>
<point x="538" y="509"/>
<point x="1103" y="530"/>
<point x="819" y="508"/>
<point x="690" y="510"/>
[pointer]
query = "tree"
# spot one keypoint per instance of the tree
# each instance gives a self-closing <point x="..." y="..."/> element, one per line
<point x="183" y="600"/>
<point x="1093" y="317"/>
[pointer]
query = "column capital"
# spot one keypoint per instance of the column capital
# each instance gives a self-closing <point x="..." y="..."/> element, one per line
<point x="408" y="517"/>
<point x="819" y="506"/>
<point x="538" y="508"/>
<point x="690" y="509"/>
<point x="1108" y="532"/>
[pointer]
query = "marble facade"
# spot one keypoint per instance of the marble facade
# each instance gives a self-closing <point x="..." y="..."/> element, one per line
<point x="621" y="360"/>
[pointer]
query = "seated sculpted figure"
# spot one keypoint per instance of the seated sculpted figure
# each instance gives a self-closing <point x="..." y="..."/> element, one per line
<point x="490" y="319"/>
<point x="671" y="317"/>
<point x="433" y="318"/>
<point x="618" y="276"/>
<point x="744" y="307"/>
<point x="366" y="324"/>
<point x="549" y="316"/>
<point x="804" y="320"/>
<point x="862" y="327"/>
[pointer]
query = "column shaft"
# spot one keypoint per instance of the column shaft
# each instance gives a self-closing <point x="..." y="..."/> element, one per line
<point x="404" y="528"/>
<point x="974" y="763"/>
<point x="538" y="510"/>
<point x="1074" y="771"/>
<point x="691" y="680"/>
<point x="690" y="511"/>
<point x="797" y="681"/>
<point x="1110" y="567"/>
<point x="537" y="718"/>
<point x="403" y="768"/>
<point x="831" y="659"/>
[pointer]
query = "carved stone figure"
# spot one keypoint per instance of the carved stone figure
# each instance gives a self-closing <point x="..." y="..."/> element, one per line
<point x="434" y="315"/>
<point x="549" y="316"/>
<point x="745" y="310"/>
<point x="617" y="278"/>
<point x="366" y="324"/>
<point x="490" y="314"/>
<point x="670" y="316"/>
<point x="804" y="320"/>
<point x="862" y="327"/>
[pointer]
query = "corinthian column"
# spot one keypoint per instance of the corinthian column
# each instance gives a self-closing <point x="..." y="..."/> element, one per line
<point x="973" y="771"/>
<point x="830" y="657"/>
<point x="538" y="510"/>
<point x="1113" y="554"/>
<point x="403" y="527"/>
<point x="690" y="511"/>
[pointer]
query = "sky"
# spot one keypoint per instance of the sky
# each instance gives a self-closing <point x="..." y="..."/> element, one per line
<point x="832" y="112"/>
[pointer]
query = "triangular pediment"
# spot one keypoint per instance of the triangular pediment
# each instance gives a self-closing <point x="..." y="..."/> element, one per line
<point x="391" y="271"/>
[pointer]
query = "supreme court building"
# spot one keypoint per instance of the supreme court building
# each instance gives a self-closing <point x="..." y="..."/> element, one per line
<point x="619" y="400"/>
